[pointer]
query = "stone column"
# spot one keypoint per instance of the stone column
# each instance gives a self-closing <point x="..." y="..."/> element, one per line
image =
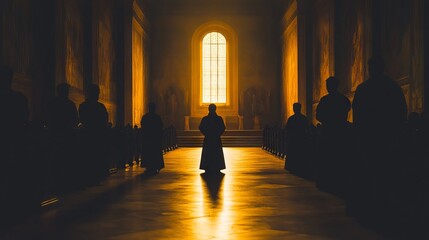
<point x="187" y="128"/>
<point x="240" y="122"/>
<point x="256" y="123"/>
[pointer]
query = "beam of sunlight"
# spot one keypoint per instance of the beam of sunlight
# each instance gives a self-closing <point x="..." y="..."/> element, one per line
<point x="215" y="217"/>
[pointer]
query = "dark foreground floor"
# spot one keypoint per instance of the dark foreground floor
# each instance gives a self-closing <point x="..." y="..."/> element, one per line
<point x="254" y="199"/>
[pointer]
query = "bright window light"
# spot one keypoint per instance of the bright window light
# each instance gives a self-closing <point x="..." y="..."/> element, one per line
<point x="214" y="68"/>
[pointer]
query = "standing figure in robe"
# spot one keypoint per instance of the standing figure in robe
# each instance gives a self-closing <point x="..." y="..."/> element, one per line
<point x="297" y="141"/>
<point x="332" y="111"/>
<point x="95" y="145"/>
<point x="379" y="116"/>
<point x="13" y="146"/>
<point x="63" y="119"/>
<point x="212" y="127"/>
<point x="152" y="134"/>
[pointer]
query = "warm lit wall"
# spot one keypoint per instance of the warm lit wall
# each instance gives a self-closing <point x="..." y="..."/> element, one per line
<point x="323" y="48"/>
<point x="138" y="73"/>
<point x="86" y="34"/>
<point x="172" y="27"/>
<point x="70" y="48"/>
<point x="353" y="44"/>
<point x="47" y="42"/>
<point x="105" y="59"/>
<point x="136" y="45"/>
<point x="290" y="62"/>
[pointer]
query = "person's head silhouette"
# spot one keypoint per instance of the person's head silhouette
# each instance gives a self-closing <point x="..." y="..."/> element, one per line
<point x="414" y="120"/>
<point x="332" y="84"/>
<point x="297" y="108"/>
<point x="152" y="107"/>
<point x="93" y="92"/>
<point x="425" y="118"/>
<point x="376" y="66"/>
<point x="63" y="90"/>
<point x="212" y="108"/>
<point x="6" y="77"/>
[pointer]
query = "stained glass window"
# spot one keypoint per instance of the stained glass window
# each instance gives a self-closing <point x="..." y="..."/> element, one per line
<point x="214" y="68"/>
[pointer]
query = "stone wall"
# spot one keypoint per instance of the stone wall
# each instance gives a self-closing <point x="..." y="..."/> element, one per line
<point x="26" y="46"/>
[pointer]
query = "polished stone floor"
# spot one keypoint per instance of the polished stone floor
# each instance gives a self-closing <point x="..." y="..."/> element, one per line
<point x="254" y="198"/>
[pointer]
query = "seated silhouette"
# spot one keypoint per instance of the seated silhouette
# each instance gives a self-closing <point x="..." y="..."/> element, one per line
<point x="212" y="127"/>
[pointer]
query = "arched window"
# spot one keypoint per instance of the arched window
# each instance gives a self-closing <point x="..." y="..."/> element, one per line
<point x="214" y="68"/>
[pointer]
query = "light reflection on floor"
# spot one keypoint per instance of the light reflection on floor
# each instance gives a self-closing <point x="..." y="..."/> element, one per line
<point x="254" y="198"/>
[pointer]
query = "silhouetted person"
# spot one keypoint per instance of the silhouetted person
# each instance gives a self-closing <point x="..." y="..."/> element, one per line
<point x="14" y="116"/>
<point x="425" y="122"/>
<point x="424" y="128"/>
<point x="212" y="127"/>
<point x="93" y="114"/>
<point x="152" y="140"/>
<point x="63" y="115"/>
<point x="13" y="143"/>
<point x="62" y="121"/>
<point x="297" y="141"/>
<point x="414" y="122"/>
<point x="379" y="115"/>
<point x="94" y="118"/>
<point x="413" y="169"/>
<point x="379" y="103"/>
<point x="423" y="204"/>
<point x="413" y="139"/>
<point x="332" y="111"/>
<point x="13" y="106"/>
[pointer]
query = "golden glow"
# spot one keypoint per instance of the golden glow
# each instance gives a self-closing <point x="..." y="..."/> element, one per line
<point x="325" y="49"/>
<point x="290" y="68"/>
<point x="137" y="74"/>
<point x="214" y="68"/>
<point x="215" y="214"/>
<point x="256" y="200"/>
<point x="357" y="68"/>
<point x="49" y="202"/>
